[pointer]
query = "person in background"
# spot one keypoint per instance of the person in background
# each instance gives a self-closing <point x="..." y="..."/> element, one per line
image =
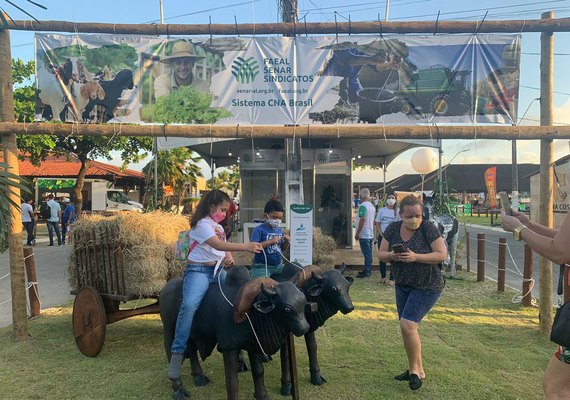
<point x="209" y="250"/>
<point x="419" y="280"/>
<point x="28" y="220"/>
<point x="365" y="231"/>
<point x="68" y="218"/>
<point x="272" y="240"/>
<point x="376" y="202"/>
<point x="386" y="215"/>
<point x="54" y="219"/>
<point x="554" y="244"/>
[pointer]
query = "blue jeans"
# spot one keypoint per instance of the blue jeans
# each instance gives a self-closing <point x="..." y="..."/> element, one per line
<point x="51" y="226"/>
<point x="383" y="264"/>
<point x="366" y="249"/>
<point x="197" y="279"/>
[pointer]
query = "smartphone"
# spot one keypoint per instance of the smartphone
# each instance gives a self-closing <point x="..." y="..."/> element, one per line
<point x="505" y="203"/>
<point x="398" y="248"/>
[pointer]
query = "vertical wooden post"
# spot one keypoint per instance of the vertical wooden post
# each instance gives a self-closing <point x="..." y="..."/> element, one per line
<point x="545" y="216"/>
<point x="528" y="273"/>
<point x="480" y="257"/>
<point x="17" y="281"/>
<point x="468" y="251"/>
<point x="502" y="264"/>
<point x="33" y="293"/>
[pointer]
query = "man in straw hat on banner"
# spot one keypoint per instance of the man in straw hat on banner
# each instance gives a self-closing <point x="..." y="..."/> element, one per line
<point x="181" y="61"/>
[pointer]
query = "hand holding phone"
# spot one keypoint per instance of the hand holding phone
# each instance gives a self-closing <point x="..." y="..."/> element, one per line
<point x="398" y="248"/>
<point x="505" y="203"/>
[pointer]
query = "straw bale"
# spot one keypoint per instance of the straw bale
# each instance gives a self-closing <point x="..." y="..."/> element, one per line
<point x="141" y="243"/>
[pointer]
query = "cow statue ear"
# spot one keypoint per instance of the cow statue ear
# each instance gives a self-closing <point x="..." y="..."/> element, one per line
<point x="349" y="279"/>
<point x="264" y="306"/>
<point x="315" y="290"/>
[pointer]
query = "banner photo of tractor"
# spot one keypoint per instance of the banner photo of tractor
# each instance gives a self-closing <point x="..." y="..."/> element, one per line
<point x="464" y="79"/>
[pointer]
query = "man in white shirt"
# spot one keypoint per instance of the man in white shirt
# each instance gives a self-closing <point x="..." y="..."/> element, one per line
<point x="28" y="220"/>
<point x="53" y="220"/>
<point x="365" y="231"/>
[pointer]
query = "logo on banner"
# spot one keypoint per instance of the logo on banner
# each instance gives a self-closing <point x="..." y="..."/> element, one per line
<point x="244" y="70"/>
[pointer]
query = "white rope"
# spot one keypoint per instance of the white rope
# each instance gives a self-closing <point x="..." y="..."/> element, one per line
<point x="246" y="314"/>
<point x="25" y="258"/>
<point x="5" y="276"/>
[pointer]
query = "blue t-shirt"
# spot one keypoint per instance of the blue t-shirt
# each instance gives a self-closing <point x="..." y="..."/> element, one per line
<point x="69" y="212"/>
<point x="260" y="234"/>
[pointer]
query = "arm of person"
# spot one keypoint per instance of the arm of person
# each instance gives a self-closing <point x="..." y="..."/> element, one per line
<point x="256" y="237"/>
<point x="537" y="228"/>
<point x="219" y="245"/>
<point x="438" y="254"/>
<point x="556" y="249"/>
<point x="286" y="242"/>
<point x="384" y="253"/>
<point x="228" y="259"/>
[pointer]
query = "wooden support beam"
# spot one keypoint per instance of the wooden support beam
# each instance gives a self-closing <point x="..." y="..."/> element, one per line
<point x="374" y="27"/>
<point x="545" y="212"/>
<point x="16" y="248"/>
<point x="355" y="131"/>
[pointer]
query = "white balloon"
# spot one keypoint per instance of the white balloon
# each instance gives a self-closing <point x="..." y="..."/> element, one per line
<point x="424" y="161"/>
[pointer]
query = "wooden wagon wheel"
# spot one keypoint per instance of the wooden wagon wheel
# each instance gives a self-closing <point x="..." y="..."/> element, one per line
<point x="89" y="321"/>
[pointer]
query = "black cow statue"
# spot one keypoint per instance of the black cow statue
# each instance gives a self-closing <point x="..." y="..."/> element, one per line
<point x="329" y="289"/>
<point x="113" y="91"/>
<point x="274" y="309"/>
<point x="448" y="227"/>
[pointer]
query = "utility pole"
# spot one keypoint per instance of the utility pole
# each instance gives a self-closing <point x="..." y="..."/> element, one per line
<point x="387" y="10"/>
<point x="515" y="173"/>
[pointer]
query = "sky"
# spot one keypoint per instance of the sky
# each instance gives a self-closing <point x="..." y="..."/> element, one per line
<point x="263" y="11"/>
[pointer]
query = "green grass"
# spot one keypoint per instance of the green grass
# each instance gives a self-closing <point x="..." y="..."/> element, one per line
<point x="476" y="345"/>
<point x="482" y="220"/>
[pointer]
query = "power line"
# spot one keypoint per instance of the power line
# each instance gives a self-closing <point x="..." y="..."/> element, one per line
<point x="535" y="88"/>
<point x="205" y="11"/>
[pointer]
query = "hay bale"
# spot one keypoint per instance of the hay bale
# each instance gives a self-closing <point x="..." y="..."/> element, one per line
<point x="128" y="254"/>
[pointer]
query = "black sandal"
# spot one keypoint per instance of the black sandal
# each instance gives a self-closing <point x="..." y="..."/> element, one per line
<point x="404" y="376"/>
<point x="415" y="382"/>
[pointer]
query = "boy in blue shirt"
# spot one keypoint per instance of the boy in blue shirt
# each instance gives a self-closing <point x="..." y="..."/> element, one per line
<point x="272" y="240"/>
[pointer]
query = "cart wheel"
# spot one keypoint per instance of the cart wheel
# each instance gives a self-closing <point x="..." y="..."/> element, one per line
<point x="89" y="322"/>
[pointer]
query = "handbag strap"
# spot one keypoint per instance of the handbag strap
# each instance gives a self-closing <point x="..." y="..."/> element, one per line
<point x="561" y="280"/>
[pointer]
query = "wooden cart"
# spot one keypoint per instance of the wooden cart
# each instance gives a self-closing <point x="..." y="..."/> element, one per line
<point x="101" y="290"/>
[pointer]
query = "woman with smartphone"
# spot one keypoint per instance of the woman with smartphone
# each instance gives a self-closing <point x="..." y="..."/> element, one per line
<point x="415" y="248"/>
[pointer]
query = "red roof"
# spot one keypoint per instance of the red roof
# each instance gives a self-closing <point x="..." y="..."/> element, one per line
<point x="62" y="167"/>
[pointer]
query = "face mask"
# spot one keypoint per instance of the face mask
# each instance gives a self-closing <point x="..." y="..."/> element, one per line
<point x="274" y="223"/>
<point x="412" y="223"/>
<point x="391" y="202"/>
<point x="219" y="216"/>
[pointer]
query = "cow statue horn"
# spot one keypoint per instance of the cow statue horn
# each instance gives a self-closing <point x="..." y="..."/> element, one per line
<point x="268" y="291"/>
<point x="317" y="278"/>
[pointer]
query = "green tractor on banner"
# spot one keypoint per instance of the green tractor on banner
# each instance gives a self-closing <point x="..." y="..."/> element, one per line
<point x="439" y="91"/>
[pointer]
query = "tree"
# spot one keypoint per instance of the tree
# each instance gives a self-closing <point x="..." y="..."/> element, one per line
<point x="225" y="180"/>
<point x="85" y="148"/>
<point x="177" y="168"/>
<point x="8" y="182"/>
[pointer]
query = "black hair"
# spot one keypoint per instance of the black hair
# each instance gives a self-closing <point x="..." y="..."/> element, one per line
<point x="273" y="205"/>
<point x="212" y="198"/>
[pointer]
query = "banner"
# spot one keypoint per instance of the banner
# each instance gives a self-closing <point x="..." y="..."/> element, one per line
<point x="278" y="80"/>
<point x="491" y="182"/>
<point x="301" y="216"/>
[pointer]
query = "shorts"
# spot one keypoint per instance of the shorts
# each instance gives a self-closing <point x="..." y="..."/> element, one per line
<point x="563" y="354"/>
<point x="414" y="304"/>
<point x="259" y="271"/>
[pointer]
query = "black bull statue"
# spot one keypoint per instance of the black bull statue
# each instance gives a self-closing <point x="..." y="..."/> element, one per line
<point x="274" y="313"/>
<point x="328" y="289"/>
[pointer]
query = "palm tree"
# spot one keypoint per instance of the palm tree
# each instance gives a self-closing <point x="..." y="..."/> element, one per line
<point x="228" y="180"/>
<point x="8" y="182"/>
<point x="178" y="168"/>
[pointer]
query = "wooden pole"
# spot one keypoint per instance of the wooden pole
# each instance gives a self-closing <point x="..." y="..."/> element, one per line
<point x="333" y="131"/>
<point x="16" y="251"/>
<point x="33" y="294"/>
<point x="502" y="264"/>
<point x="528" y="273"/>
<point x="546" y="173"/>
<point x="373" y="27"/>
<point x="468" y="251"/>
<point x="480" y="257"/>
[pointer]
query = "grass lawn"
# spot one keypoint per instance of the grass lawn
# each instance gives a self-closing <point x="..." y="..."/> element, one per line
<point x="482" y="220"/>
<point x="476" y="345"/>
